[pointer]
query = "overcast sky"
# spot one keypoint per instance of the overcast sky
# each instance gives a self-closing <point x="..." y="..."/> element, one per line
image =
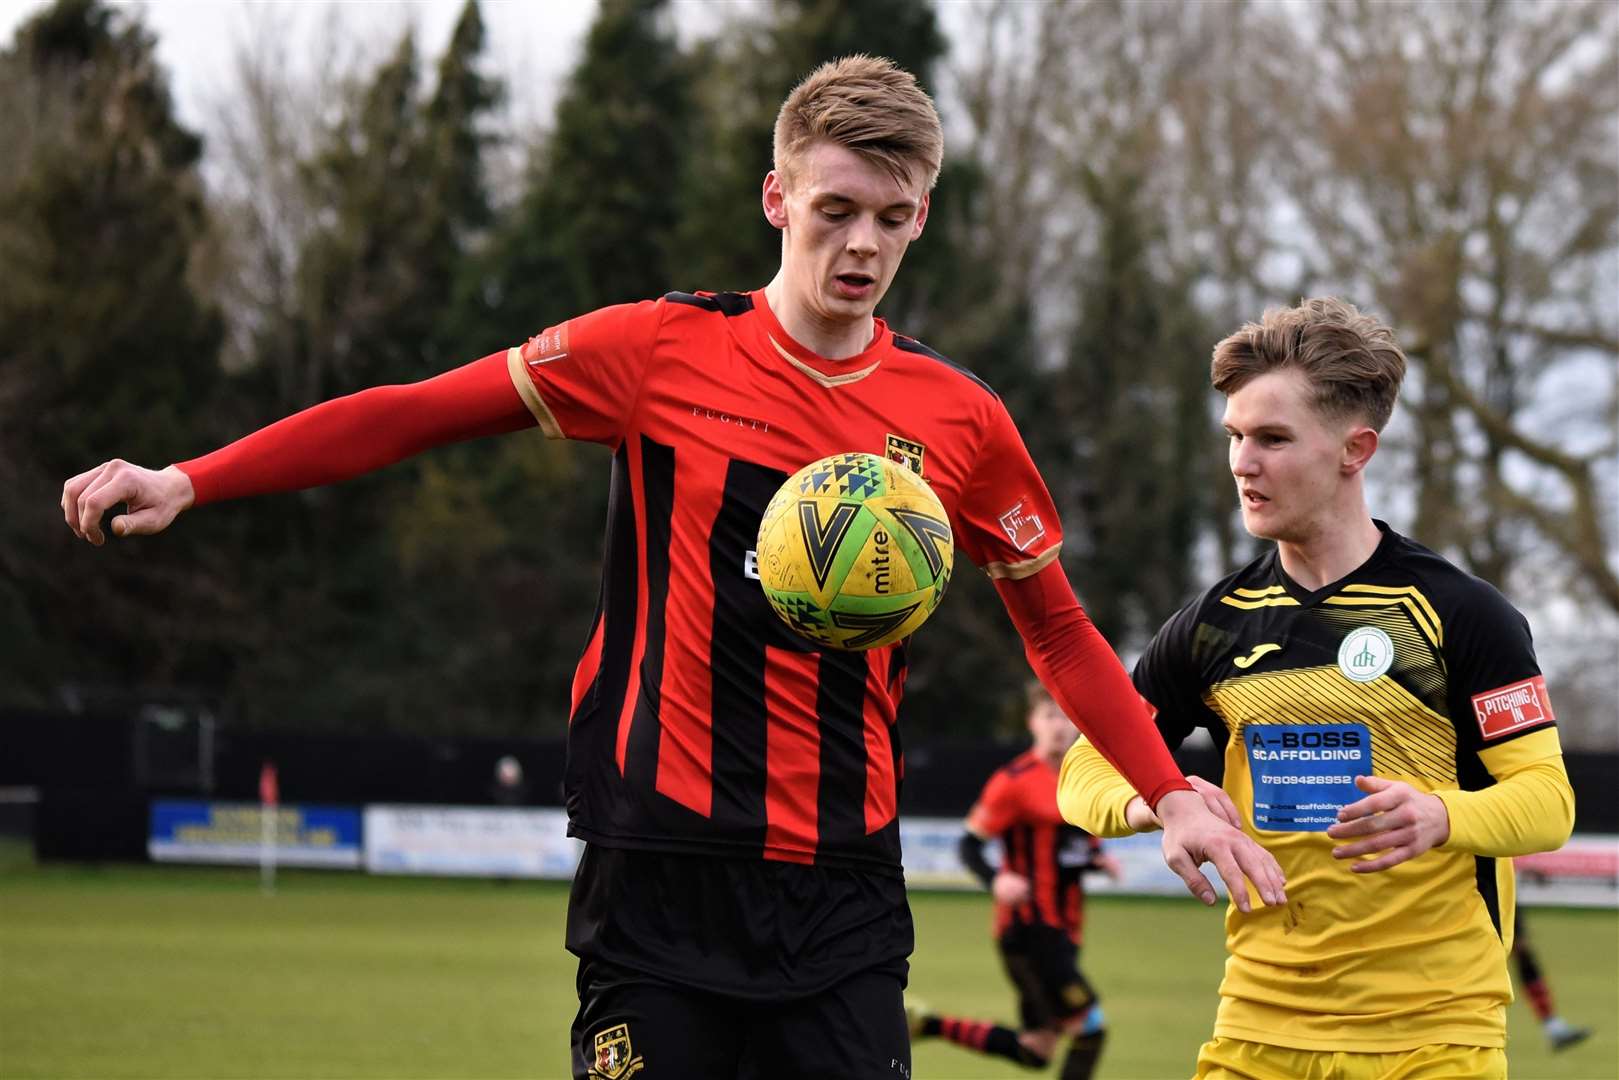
<point x="198" y="38"/>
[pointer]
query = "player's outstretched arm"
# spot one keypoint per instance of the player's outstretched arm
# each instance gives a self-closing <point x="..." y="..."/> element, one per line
<point x="154" y="498"/>
<point x="326" y="443"/>
<point x="1085" y="677"/>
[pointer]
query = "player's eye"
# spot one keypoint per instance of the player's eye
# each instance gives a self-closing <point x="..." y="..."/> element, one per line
<point x="835" y="215"/>
<point x="894" y="222"/>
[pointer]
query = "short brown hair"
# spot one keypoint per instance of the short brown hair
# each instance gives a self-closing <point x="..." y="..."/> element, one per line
<point x="1036" y="695"/>
<point x="870" y="105"/>
<point x="1351" y="359"/>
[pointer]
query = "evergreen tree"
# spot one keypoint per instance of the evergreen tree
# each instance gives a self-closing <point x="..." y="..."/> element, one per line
<point x="105" y="346"/>
<point x="1134" y="463"/>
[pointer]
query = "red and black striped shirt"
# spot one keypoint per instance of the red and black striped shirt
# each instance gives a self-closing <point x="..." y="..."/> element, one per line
<point x="700" y="722"/>
<point x="1019" y="806"/>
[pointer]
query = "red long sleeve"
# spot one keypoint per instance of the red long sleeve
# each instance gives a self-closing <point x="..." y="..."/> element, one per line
<point x="1078" y="666"/>
<point x="363" y="432"/>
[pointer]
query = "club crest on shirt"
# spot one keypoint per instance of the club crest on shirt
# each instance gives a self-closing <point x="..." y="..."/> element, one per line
<point x="543" y="348"/>
<point x="615" y="1057"/>
<point x="905" y="452"/>
<point x="1513" y="707"/>
<point x="1366" y="653"/>
<point x="1022" y="527"/>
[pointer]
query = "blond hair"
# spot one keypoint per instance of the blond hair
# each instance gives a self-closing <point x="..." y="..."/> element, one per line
<point x="1351" y="360"/>
<point x="869" y="105"/>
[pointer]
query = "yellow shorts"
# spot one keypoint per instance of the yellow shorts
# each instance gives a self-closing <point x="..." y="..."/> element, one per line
<point x="1235" y="1059"/>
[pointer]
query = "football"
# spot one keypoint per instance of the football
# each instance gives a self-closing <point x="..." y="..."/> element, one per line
<point x="855" y="551"/>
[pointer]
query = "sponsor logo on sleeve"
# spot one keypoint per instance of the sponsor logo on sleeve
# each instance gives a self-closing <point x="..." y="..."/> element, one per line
<point x="1512" y="708"/>
<point x="546" y="347"/>
<point x="1023" y="528"/>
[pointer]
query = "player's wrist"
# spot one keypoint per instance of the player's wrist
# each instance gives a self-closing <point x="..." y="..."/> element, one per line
<point x="1139" y="816"/>
<point x="182" y="492"/>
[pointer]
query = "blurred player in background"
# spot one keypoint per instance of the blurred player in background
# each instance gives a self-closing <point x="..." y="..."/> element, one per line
<point x="1560" y="1034"/>
<point x="1039" y="906"/>
<point x="739" y="908"/>
<point x="1386" y="729"/>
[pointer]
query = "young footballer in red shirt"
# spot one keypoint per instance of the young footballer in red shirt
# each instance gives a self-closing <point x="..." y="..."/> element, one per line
<point x="1039" y="907"/>
<point x="739" y="909"/>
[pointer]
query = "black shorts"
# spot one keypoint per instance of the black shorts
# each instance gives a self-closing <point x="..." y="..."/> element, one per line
<point x="741" y="928"/>
<point x="636" y="1025"/>
<point x="1043" y="964"/>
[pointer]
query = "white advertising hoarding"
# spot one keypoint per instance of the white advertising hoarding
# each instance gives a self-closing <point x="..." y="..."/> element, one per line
<point x="475" y="841"/>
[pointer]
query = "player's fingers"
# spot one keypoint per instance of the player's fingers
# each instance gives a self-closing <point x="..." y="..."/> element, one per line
<point x="1380" y="803"/>
<point x="141" y="523"/>
<point x="1373" y="783"/>
<point x="1382" y="841"/>
<point x="1260" y="867"/>
<point x="1384" y="861"/>
<point x="1230" y="871"/>
<point x="111" y="488"/>
<point x="94" y="501"/>
<point x="1185" y="867"/>
<point x="1216" y="799"/>
<point x="71" y="491"/>
<point x="1360" y="826"/>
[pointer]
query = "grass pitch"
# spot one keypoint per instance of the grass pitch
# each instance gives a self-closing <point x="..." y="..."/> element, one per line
<point x="165" y="972"/>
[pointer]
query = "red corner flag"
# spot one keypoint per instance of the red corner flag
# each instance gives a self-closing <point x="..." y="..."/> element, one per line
<point x="269" y="790"/>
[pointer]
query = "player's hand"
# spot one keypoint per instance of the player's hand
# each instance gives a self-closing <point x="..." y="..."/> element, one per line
<point x="1193" y="834"/>
<point x="1395" y="819"/>
<point x="1108" y="865"/>
<point x="153" y="497"/>
<point x="1218" y="802"/>
<point x="1010" y="888"/>
<point x="1139" y="816"/>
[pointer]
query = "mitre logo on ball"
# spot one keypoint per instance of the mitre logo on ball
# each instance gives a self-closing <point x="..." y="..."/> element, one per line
<point x="855" y="551"/>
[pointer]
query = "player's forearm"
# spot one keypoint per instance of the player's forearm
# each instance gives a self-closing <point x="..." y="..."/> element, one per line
<point x="1092" y="794"/>
<point x="363" y="432"/>
<point x="971" y="851"/>
<point x="1530" y="810"/>
<point x="1085" y="678"/>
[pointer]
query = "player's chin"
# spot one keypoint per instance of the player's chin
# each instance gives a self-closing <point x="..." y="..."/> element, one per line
<point x="1260" y="524"/>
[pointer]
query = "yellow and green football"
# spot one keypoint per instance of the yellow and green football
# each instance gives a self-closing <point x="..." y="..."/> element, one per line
<point x="855" y="551"/>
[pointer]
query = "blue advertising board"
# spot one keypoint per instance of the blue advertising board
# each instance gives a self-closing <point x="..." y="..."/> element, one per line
<point x="194" y="830"/>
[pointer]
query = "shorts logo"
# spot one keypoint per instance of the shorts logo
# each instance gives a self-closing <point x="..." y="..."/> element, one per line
<point x="1022" y="528"/>
<point x="905" y="452"/>
<point x="1365" y="654"/>
<point x="546" y="347"/>
<point x="1513" y="708"/>
<point x="615" y="1058"/>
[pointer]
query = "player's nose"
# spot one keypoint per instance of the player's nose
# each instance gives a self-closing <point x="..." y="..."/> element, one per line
<point x="862" y="236"/>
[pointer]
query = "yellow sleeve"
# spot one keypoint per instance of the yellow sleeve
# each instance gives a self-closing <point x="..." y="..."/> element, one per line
<point x="1530" y="808"/>
<point x="1091" y="793"/>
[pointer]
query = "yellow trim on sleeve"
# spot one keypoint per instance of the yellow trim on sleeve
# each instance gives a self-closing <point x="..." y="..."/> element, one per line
<point x="1091" y="793"/>
<point x="530" y="395"/>
<point x="1020" y="570"/>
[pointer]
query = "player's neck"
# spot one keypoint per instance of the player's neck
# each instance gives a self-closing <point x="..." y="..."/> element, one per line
<point x="1332" y="552"/>
<point x="821" y="333"/>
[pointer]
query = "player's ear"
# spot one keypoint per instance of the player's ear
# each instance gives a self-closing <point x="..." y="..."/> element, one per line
<point x="921" y="215"/>
<point x="774" y="199"/>
<point x="1359" y="446"/>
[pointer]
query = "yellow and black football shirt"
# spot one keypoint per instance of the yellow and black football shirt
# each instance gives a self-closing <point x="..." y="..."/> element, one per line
<point x="1408" y="668"/>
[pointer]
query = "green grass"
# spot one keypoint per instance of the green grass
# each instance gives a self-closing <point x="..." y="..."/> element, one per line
<point x="163" y="972"/>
